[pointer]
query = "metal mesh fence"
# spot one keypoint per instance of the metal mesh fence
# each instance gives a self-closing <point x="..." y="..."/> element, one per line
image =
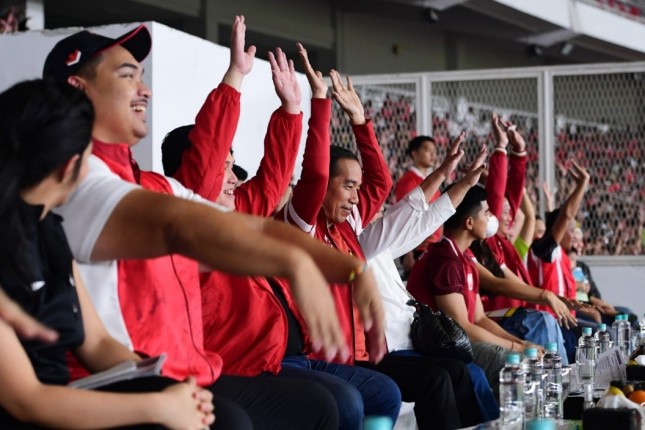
<point x="393" y="110"/>
<point x="470" y="105"/>
<point x="599" y="120"/>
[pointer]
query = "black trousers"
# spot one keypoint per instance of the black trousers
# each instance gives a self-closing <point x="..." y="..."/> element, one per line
<point x="240" y="404"/>
<point x="441" y="389"/>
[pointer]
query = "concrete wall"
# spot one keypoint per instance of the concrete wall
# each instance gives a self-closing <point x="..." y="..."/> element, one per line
<point x="621" y="281"/>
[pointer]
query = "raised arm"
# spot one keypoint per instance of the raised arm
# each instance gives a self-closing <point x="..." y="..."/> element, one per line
<point x="147" y="225"/>
<point x="548" y="196"/>
<point x="528" y="227"/>
<point x="517" y="170"/>
<point x="570" y="207"/>
<point x="410" y="220"/>
<point x="202" y="165"/>
<point x="309" y="193"/>
<point x="376" y="176"/>
<point x="261" y="194"/>
<point x="497" y="169"/>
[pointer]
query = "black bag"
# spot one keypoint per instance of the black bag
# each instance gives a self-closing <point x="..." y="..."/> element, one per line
<point x="436" y="334"/>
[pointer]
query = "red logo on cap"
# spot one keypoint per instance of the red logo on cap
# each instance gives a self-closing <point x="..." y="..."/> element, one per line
<point x="73" y="58"/>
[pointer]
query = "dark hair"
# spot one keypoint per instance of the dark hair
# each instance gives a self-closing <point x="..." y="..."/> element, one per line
<point x="485" y="257"/>
<point x="469" y="206"/>
<point x="173" y="146"/>
<point x="240" y="173"/>
<point x="88" y="70"/>
<point x="416" y="143"/>
<point x="337" y="153"/>
<point x="549" y="219"/>
<point x="42" y="125"/>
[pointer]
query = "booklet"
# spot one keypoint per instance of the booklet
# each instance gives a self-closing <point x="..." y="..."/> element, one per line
<point x="122" y="372"/>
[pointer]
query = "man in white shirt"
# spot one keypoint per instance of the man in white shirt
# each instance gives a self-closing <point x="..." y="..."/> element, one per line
<point x="419" y="377"/>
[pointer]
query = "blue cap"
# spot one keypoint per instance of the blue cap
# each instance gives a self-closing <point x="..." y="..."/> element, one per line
<point x="586" y="331"/>
<point x="541" y="424"/>
<point x="531" y="352"/>
<point x="602" y="327"/>
<point x="512" y="358"/>
<point x="551" y="347"/>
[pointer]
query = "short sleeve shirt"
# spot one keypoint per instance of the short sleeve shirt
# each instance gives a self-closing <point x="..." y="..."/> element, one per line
<point x="444" y="270"/>
<point x="91" y="205"/>
<point x="49" y="295"/>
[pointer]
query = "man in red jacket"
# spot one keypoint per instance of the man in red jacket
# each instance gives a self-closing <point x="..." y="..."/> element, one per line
<point x="154" y="304"/>
<point x="266" y="333"/>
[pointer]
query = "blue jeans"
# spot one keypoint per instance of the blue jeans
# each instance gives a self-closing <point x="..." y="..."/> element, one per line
<point x="538" y="327"/>
<point x="484" y="394"/>
<point x="358" y="392"/>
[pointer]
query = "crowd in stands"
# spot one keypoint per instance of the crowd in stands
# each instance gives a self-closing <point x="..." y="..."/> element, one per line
<point x="275" y="305"/>
<point x="617" y="186"/>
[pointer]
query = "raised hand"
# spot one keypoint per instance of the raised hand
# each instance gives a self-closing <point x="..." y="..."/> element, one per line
<point x="499" y="131"/>
<point x="186" y="406"/>
<point x="453" y="156"/>
<point x="285" y="81"/>
<point x="241" y="61"/>
<point x="370" y="307"/>
<point x="579" y="173"/>
<point x="315" y="78"/>
<point x="477" y="168"/>
<point x="347" y="98"/>
<point x="517" y="141"/>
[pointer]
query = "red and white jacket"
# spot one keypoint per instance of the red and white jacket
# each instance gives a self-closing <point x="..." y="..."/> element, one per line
<point x="504" y="182"/>
<point x="243" y="320"/>
<point x="305" y="211"/>
<point x="152" y="305"/>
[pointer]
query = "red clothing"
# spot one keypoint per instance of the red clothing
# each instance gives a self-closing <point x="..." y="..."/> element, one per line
<point x="443" y="270"/>
<point x="243" y="320"/>
<point x="160" y="298"/>
<point x="411" y="179"/>
<point x="550" y="268"/>
<point x="504" y="183"/>
<point x="305" y="211"/>
<point x="202" y="166"/>
<point x="505" y="254"/>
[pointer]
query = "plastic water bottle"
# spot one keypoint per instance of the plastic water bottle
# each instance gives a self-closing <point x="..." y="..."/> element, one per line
<point x="623" y="336"/>
<point x="603" y="338"/>
<point x="511" y="393"/>
<point x="553" y="402"/>
<point x="586" y="357"/>
<point x="533" y="371"/>
<point x="641" y="325"/>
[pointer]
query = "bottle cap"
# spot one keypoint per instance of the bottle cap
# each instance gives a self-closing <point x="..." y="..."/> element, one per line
<point x="512" y="358"/>
<point x="602" y="327"/>
<point x="551" y="347"/>
<point x="377" y="423"/>
<point x="586" y="331"/>
<point x="531" y="352"/>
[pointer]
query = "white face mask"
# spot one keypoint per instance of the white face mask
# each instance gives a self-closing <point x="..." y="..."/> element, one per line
<point x="492" y="226"/>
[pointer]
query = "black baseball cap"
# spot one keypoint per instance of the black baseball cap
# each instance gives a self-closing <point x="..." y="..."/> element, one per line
<point x="69" y="55"/>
